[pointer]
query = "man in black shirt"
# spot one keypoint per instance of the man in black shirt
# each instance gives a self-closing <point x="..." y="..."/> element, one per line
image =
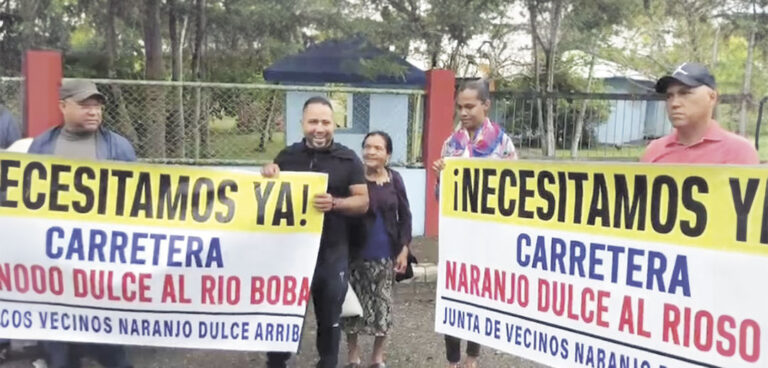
<point x="347" y="196"/>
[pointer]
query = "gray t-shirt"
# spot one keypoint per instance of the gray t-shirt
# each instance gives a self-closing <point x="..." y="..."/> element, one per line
<point x="76" y="145"/>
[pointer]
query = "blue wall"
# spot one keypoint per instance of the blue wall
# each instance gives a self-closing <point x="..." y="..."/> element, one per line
<point x="657" y="122"/>
<point x="384" y="112"/>
<point x="632" y="121"/>
<point x="626" y="121"/>
<point x="415" y="185"/>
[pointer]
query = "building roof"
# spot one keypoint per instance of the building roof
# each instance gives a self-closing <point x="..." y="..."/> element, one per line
<point x="343" y="61"/>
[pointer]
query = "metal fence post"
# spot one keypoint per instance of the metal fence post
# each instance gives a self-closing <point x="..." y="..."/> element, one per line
<point x="759" y="122"/>
<point x="42" y="78"/>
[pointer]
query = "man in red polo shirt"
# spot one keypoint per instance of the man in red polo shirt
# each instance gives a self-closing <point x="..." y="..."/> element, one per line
<point x="697" y="137"/>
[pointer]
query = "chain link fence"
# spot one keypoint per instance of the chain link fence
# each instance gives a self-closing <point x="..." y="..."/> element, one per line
<point x="195" y="123"/>
<point x="12" y="97"/>
<point x="248" y="124"/>
<point x="242" y="124"/>
<point x="595" y="126"/>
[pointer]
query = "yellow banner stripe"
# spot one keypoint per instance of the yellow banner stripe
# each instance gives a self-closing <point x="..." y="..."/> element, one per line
<point x="714" y="207"/>
<point x="155" y="195"/>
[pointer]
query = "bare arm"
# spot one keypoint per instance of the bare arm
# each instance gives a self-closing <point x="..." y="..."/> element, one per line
<point x="355" y="204"/>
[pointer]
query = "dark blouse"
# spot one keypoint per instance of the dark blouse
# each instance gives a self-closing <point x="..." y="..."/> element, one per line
<point x="378" y="245"/>
<point x="390" y="202"/>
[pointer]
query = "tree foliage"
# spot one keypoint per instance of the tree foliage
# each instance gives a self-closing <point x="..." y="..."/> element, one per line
<point x="235" y="40"/>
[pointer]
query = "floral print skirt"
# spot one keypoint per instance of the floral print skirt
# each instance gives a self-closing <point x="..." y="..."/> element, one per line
<point x="372" y="282"/>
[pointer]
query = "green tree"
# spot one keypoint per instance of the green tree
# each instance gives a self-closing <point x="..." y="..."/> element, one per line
<point x="557" y="26"/>
<point x="713" y="32"/>
<point x="154" y="69"/>
<point x="443" y="27"/>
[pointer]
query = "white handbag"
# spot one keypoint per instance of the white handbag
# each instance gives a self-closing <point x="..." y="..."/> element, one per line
<point x="351" y="306"/>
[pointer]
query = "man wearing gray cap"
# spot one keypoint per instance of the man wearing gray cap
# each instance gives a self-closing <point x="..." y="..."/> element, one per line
<point x="83" y="137"/>
<point x="697" y="138"/>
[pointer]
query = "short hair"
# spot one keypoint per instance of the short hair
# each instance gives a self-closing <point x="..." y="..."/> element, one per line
<point x="317" y="100"/>
<point x="387" y="139"/>
<point x="479" y="85"/>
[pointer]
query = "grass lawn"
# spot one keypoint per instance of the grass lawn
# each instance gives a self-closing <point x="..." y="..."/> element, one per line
<point x="227" y="143"/>
<point x="763" y="147"/>
<point x="608" y="153"/>
<point x="626" y="153"/>
<point x="224" y="124"/>
<point x="239" y="146"/>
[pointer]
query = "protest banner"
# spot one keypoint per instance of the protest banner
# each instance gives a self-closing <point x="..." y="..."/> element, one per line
<point x="130" y="253"/>
<point x="605" y="265"/>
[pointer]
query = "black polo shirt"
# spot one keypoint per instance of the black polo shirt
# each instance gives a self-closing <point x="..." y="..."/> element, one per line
<point x="344" y="169"/>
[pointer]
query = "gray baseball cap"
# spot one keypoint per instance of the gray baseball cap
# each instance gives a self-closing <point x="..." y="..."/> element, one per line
<point x="80" y="90"/>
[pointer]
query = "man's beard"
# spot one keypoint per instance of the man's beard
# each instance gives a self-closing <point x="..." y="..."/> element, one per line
<point x="324" y="144"/>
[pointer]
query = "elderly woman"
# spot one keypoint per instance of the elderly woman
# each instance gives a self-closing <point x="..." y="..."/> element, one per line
<point x="383" y="252"/>
<point x="476" y="136"/>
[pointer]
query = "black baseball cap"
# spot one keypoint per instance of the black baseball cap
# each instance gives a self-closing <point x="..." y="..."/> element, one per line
<point x="80" y="90"/>
<point x="689" y="74"/>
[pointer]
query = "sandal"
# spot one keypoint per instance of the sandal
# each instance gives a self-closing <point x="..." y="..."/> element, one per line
<point x="353" y="365"/>
<point x="378" y="365"/>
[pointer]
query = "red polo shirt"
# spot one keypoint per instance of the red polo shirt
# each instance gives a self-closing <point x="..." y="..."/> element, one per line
<point x="717" y="146"/>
